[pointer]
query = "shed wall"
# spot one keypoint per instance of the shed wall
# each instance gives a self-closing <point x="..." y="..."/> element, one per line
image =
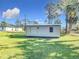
<point x="43" y="31"/>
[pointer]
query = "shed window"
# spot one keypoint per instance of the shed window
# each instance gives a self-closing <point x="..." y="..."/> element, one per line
<point x="51" y="29"/>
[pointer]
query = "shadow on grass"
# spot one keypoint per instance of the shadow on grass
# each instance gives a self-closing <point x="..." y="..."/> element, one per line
<point x="17" y="36"/>
<point x="45" y="50"/>
<point x="31" y="37"/>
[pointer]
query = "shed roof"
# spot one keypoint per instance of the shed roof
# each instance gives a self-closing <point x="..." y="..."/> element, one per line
<point x="40" y="25"/>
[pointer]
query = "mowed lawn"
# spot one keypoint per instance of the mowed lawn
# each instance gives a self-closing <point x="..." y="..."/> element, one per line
<point x="17" y="46"/>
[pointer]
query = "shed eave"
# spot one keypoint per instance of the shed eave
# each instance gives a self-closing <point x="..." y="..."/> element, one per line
<point x="42" y="25"/>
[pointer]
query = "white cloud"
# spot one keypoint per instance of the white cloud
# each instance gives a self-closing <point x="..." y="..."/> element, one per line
<point x="11" y="13"/>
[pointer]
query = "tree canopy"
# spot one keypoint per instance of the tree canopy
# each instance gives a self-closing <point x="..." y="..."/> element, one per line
<point x="64" y="3"/>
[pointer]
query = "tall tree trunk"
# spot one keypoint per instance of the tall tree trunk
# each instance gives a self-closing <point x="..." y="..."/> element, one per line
<point x="70" y="27"/>
<point x="66" y="26"/>
<point x="66" y="31"/>
<point x="70" y="23"/>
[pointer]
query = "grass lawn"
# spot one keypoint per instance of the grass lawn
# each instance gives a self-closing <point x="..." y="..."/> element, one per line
<point x="15" y="46"/>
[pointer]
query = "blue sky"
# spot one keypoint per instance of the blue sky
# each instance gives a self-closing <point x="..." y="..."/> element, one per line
<point x="32" y="9"/>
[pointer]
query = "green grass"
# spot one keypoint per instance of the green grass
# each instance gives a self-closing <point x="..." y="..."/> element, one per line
<point x="16" y="46"/>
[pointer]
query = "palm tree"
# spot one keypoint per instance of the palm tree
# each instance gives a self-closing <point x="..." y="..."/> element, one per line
<point x="67" y="11"/>
<point x="66" y="6"/>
